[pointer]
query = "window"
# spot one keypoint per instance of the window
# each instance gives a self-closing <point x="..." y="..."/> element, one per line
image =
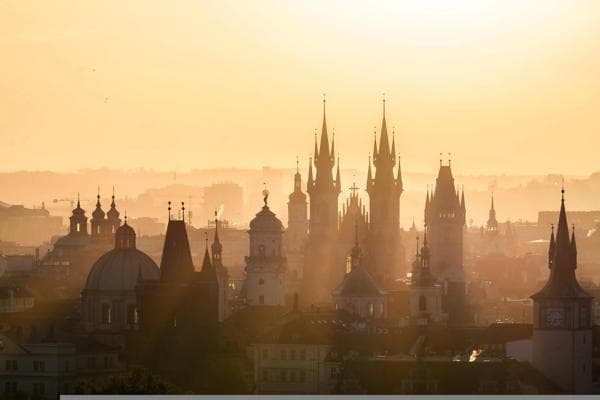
<point x="39" y="366"/>
<point x="283" y="375"/>
<point x="371" y="309"/>
<point x="108" y="362"/>
<point x="283" y="355"/>
<point x="303" y="354"/>
<point x="91" y="363"/>
<point x="292" y="354"/>
<point x="265" y="354"/>
<point x="78" y="228"/>
<point x="38" y="389"/>
<point x="106" y="314"/>
<point x="11" y="365"/>
<point x="261" y="281"/>
<point x="422" y="303"/>
<point x="67" y="366"/>
<point x="10" y="387"/>
<point x="302" y="376"/>
<point x="131" y="315"/>
<point x="265" y="375"/>
<point x="261" y="299"/>
<point x="292" y="376"/>
<point x="333" y="372"/>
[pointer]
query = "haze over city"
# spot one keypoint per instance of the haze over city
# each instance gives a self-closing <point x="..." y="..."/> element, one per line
<point x="504" y="86"/>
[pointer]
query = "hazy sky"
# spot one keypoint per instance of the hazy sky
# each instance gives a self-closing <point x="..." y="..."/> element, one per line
<point x="507" y="86"/>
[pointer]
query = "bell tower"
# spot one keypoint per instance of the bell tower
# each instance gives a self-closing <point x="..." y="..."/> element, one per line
<point x="562" y="319"/>
<point x="384" y="191"/>
<point x="320" y="261"/>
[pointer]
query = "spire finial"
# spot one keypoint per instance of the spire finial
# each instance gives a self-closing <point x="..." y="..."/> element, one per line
<point x="449" y="159"/>
<point x="562" y="190"/>
<point x="169" y="210"/>
<point x="182" y="211"/>
<point x="125" y="217"/>
<point x="206" y="239"/>
<point x="417" y="254"/>
<point x="113" y="195"/>
<point x="383" y="103"/>
<point x="297" y="164"/>
<point x="324" y="101"/>
<point x="78" y="203"/>
<point x="441" y="159"/>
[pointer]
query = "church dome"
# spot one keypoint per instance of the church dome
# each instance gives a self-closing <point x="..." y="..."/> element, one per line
<point x="118" y="269"/>
<point x="266" y="221"/>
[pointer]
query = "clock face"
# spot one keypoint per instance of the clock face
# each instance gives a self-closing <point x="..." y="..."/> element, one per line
<point x="554" y="317"/>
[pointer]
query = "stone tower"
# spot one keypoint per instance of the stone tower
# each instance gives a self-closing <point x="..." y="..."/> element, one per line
<point x="562" y="319"/>
<point x="444" y="220"/>
<point x="320" y="259"/>
<point x="266" y="264"/>
<point x="296" y="234"/>
<point x="384" y="189"/>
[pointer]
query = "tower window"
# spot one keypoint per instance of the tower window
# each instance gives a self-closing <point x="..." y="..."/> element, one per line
<point x="371" y="309"/>
<point x="78" y="227"/>
<point x="131" y="314"/>
<point x="422" y="303"/>
<point x="106" y="314"/>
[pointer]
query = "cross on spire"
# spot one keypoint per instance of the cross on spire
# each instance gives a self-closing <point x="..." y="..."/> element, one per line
<point x="354" y="188"/>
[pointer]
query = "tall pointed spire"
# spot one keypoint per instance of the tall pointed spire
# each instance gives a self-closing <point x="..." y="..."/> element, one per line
<point x="316" y="150"/>
<point x="551" y="248"/>
<point x="310" y="173"/>
<point x="324" y="145"/>
<point x="338" y="181"/>
<point x="332" y="154"/>
<point x="573" y="249"/>
<point x="393" y="151"/>
<point x="216" y="246"/>
<point x="384" y="144"/>
<point x="562" y="254"/>
<point x="374" y="143"/>
<point x="369" y="175"/>
<point x="399" y="181"/>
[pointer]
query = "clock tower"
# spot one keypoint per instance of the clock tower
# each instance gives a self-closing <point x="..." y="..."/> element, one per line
<point x="562" y="330"/>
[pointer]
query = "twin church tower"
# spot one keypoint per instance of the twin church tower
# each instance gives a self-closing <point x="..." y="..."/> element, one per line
<point x="331" y="232"/>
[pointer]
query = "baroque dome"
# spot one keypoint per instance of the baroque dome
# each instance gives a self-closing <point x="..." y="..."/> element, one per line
<point x="266" y="221"/>
<point x="119" y="268"/>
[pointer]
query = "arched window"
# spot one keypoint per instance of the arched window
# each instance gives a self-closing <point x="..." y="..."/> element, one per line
<point x="422" y="303"/>
<point x="371" y="309"/>
<point x="78" y="227"/>
<point x="106" y="314"/>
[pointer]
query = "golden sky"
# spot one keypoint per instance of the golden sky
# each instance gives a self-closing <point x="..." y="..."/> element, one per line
<point x="507" y="87"/>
